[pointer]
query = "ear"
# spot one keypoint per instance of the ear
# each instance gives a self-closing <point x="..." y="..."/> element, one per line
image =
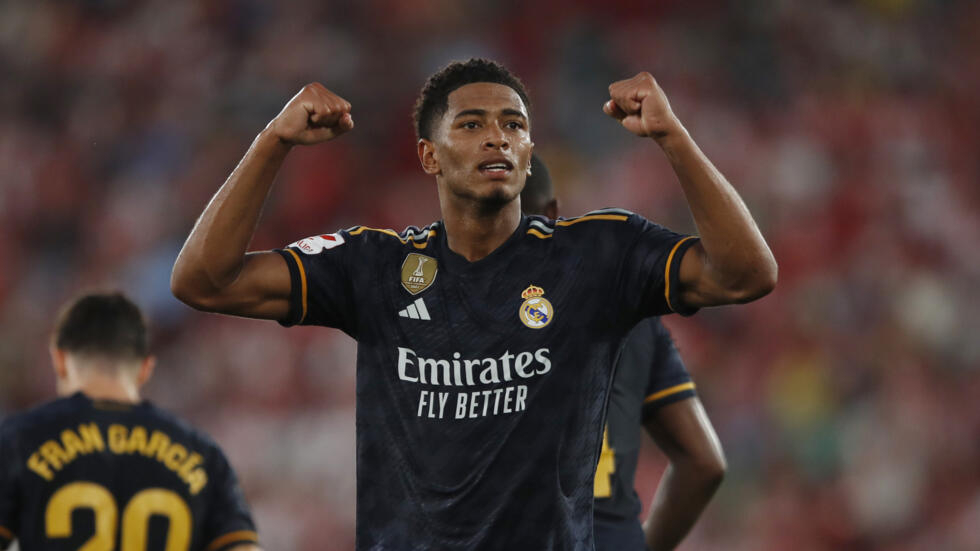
<point x="146" y="371"/>
<point x="551" y="209"/>
<point x="427" y="156"/>
<point x="58" y="361"/>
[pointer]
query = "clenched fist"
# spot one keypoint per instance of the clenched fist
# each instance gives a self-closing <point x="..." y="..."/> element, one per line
<point x="642" y="107"/>
<point x="313" y="115"/>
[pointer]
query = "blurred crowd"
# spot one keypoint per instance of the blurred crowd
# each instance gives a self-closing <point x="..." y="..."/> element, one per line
<point x="848" y="401"/>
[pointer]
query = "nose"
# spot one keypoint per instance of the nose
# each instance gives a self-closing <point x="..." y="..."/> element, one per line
<point x="495" y="139"/>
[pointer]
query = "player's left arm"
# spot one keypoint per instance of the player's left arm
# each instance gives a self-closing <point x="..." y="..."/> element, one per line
<point x="697" y="466"/>
<point x="731" y="263"/>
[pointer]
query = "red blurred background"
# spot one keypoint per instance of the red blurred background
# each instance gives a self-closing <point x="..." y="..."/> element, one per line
<point x="847" y="400"/>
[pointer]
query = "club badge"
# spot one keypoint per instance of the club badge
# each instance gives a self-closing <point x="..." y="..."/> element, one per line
<point x="535" y="312"/>
<point x="418" y="272"/>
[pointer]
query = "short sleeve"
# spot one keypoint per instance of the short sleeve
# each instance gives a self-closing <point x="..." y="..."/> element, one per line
<point x="669" y="380"/>
<point x="650" y="273"/>
<point x="229" y="521"/>
<point x="322" y="290"/>
<point x="9" y="500"/>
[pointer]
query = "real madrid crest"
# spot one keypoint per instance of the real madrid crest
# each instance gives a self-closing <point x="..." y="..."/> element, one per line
<point x="535" y="312"/>
<point x="418" y="272"/>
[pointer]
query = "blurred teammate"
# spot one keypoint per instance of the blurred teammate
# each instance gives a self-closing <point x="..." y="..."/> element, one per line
<point x="651" y="388"/>
<point x="485" y="340"/>
<point x="98" y="469"/>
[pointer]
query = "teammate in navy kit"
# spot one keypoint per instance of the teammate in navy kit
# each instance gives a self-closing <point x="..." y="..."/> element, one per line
<point x="651" y="388"/>
<point x="485" y="340"/>
<point x="100" y="469"/>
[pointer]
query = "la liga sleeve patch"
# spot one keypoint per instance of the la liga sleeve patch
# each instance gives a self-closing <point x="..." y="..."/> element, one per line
<point x="319" y="243"/>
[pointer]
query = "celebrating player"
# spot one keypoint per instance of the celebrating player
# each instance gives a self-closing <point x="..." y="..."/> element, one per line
<point x="650" y="387"/>
<point x="485" y="340"/>
<point x="100" y="469"/>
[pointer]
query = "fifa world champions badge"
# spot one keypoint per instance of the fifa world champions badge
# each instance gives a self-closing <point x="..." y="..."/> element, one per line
<point x="418" y="272"/>
<point x="535" y="312"/>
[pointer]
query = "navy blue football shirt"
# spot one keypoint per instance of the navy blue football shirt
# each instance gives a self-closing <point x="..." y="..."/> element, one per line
<point x="107" y="475"/>
<point x="649" y="375"/>
<point x="481" y="385"/>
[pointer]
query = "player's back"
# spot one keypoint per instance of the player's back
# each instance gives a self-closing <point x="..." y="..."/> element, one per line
<point x="108" y="475"/>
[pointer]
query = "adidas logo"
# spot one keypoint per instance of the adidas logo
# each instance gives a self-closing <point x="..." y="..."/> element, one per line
<point x="416" y="311"/>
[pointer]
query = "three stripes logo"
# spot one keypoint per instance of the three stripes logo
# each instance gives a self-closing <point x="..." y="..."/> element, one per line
<point x="415" y="311"/>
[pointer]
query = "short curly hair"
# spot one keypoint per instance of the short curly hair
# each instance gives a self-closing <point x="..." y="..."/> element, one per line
<point x="434" y="99"/>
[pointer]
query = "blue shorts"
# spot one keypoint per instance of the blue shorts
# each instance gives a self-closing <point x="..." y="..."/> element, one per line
<point x="619" y="536"/>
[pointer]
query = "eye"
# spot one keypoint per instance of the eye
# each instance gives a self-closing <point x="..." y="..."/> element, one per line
<point x="470" y="125"/>
<point x="514" y="125"/>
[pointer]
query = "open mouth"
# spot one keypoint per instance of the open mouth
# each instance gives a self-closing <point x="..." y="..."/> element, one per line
<point x="496" y="167"/>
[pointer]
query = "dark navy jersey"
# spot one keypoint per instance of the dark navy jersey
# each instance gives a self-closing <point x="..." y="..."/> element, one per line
<point x="481" y="385"/>
<point x="649" y="375"/>
<point x="107" y="475"/>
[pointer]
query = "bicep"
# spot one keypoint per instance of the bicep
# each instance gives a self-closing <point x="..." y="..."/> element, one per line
<point x="261" y="289"/>
<point x="683" y="431"/>
<point x="699" y="286"/>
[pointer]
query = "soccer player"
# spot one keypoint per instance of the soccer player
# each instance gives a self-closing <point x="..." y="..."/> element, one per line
<point x="651" y="388"/>
<point x="486" y="339"/>
<point x="98" y="469"/>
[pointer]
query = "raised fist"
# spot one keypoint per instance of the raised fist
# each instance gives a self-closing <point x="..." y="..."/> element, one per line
<point x="313" y="115"/>
<point x="642" y="107"/>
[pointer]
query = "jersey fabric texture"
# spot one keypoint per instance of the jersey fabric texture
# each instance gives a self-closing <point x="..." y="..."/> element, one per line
<point x="649" y="375"/>
<point x="117" y="476"/>
<point x="481" y="385"/>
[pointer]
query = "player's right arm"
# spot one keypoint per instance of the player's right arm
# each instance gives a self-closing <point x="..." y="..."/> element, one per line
<point x="213" y="271"/>
<point x="674" y="417"/>
<point x="696" y="468"/>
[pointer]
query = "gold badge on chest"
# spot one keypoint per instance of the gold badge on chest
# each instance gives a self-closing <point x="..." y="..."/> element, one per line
<point x="536" y="311"/>
<point x="418" y="272"/>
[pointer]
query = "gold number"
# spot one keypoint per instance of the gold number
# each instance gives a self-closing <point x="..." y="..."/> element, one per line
<point x="605" y="469"/>
<point x="79" y="495"/>
<point x="156" y="501"/>
<point x="136" y="516"/>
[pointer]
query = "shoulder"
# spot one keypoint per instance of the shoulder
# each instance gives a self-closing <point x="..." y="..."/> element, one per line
<point x="178" y="427"/>
<point x="596" y="222"/>
<point x="657" y="327"/>
<point x="648" y="328"/>
<point x="38" y="415"/>
<point x="411" y="237"/>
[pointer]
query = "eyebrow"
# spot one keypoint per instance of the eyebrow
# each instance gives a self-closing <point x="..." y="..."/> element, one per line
<point x="482" y="113"/>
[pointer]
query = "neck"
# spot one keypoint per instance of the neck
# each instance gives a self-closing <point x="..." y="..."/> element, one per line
<point x="473" y="229"/>
<point x="120" y="393"/>
<point x="101" y="383"/>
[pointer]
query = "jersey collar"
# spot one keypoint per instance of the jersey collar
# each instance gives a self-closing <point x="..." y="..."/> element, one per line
<point x="456" y="263"/>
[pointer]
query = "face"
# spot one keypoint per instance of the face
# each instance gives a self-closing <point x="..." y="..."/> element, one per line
<point x="481" y="147"/>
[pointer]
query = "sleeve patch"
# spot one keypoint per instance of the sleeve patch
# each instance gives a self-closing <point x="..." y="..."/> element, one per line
<point x="319" y="243"/>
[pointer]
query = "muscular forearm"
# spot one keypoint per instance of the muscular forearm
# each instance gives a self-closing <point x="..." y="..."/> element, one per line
<point x="213" y="272"/>
<point x="736" y="257"/>
<point x="214" y="252"/>
<point x="683" y="494"/>
<point x="732" y="263"/>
